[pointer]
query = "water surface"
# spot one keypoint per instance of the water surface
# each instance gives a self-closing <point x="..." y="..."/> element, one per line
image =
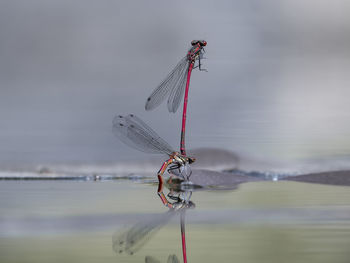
<point x="75" y="221"/>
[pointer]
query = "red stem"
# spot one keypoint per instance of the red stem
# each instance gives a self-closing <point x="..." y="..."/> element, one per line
<point x="183" y="130"/>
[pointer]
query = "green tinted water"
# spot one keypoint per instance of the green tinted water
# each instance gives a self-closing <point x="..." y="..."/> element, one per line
<point x="260" y="222"/>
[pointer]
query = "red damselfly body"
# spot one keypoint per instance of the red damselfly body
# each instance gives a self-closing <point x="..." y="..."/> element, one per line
<point x="176" y="84"/>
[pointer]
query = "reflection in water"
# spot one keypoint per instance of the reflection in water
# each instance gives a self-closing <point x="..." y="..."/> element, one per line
<point x="134" y="238"/>
<point x="265" y="222"/>
<point x="171" y="259"/>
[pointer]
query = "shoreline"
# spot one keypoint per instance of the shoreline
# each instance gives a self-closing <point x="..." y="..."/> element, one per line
<point x="200" y="177"/>
<point x="341" y="178"/>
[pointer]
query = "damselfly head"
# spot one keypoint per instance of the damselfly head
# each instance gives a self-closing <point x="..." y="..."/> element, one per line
<point x="202" y="43"/>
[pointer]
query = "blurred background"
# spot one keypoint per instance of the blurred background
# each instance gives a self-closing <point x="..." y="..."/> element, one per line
<point x="277" y="85"/>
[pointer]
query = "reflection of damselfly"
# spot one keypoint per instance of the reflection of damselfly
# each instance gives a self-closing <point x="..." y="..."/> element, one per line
<point x="134" y="238"/>
<point x="176" y="83"/>
<point x="171" y="259"/>
<point x="137" y="134"/>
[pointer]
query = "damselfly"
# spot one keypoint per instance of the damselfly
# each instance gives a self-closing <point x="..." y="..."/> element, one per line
<point x="134" y="132"/>
<point x="134" y="238"/>
<point x="176" y="83"/>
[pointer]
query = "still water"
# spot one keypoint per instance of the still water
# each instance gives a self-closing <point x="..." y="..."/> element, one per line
<point x="75" y="221"/>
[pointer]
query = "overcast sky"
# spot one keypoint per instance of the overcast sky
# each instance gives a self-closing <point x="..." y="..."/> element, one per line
<point x="277" y="83"/>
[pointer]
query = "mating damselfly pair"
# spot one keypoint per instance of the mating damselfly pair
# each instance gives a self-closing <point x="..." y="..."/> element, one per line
<point x="137" y="134"/>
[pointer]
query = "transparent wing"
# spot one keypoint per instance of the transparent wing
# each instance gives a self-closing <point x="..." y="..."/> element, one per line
<point x="150" y="259"/>
<point x="173" y="259"/>
<point x="134" y="132"/>
<point x="170" y="83"/>
<point x="177" y="92"/>
<point x="138" y="235"/>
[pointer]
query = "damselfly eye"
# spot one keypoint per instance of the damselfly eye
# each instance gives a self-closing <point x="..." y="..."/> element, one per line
<point x="204" y="43"/>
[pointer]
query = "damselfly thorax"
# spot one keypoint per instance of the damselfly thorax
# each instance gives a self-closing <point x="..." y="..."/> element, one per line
<point x="196" y="51"/>
<point x="182" y="159"/>
<point x="180" y="166"/>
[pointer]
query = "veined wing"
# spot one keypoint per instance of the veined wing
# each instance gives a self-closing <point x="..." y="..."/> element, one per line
<point x="173" y="259"/>
<point x="150" y="259"/>
<point x="134" y="132"/>
<point x="172" y="82"/>
<point x="177" y="92"/>
<point x="137" y="236"/>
